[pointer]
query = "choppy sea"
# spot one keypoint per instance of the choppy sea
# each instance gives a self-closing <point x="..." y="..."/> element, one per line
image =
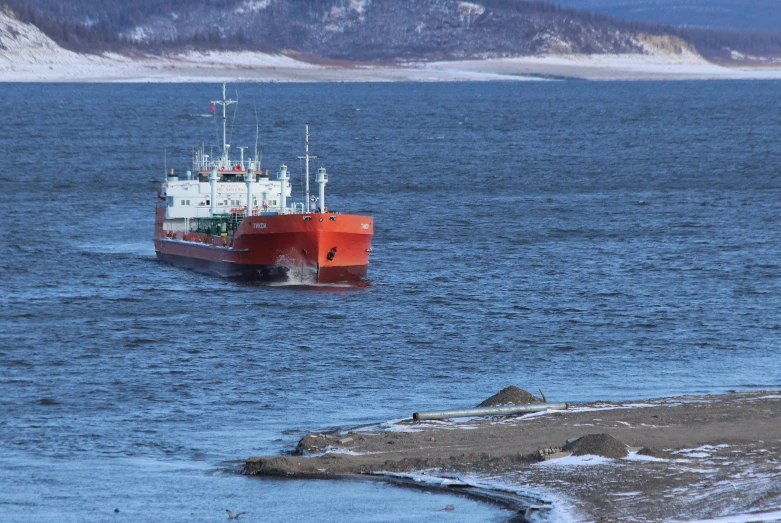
<point x="595" y="240"/>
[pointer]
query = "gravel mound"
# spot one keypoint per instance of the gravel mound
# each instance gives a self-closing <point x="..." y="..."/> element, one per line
<point x="603" y="445"/>
<point x="511" y="395"/>
<point x="654" y="453"/>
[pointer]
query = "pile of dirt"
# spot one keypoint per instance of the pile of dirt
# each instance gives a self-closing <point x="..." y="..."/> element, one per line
<point x="654" y="453"/>
<point x="314" y="443"/>
<point x="603" y="445"/>
<point x="511" y="395"/>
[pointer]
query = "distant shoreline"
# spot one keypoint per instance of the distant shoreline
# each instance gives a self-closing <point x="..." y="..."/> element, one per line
<point x="65" y="66"/>
<point x="27" y="54"/>
<point x="681" y="459"/>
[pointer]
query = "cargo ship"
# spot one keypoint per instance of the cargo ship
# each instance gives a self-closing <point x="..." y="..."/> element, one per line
<point x="228" y="217"/>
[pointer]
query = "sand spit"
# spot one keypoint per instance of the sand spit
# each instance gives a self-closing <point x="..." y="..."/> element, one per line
<point x="683" y="458"/>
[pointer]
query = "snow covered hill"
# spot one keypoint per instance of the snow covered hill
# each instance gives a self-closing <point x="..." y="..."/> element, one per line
<point x="27" y="54"/>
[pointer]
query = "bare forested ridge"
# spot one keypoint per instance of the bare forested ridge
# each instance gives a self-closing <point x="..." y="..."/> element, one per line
<point x="383" y="30"/>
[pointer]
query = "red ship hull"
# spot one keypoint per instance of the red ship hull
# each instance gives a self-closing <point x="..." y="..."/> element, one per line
<point x="310" y="248"/>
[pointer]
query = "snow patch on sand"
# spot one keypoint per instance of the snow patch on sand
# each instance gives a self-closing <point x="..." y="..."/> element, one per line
<point x="575" y="461"/>
<point x="634" y="456"/>
<point x="337" y="450"/>
<point x="550" y="508"/>
<point x="240" y="58"/>
<point x="612" y="67"/>
<point x="425" y="478"/>
<point x="404" y="425"/>
<point x="742" y="518"/>
<point x="768" y="397"/>
<point x="700" y="452"/>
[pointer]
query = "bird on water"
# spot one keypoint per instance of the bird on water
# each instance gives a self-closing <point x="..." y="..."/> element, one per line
<point x="231" y="516"/>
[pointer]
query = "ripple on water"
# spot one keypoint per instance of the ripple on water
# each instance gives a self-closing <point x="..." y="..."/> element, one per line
<point x="494" y="263"/>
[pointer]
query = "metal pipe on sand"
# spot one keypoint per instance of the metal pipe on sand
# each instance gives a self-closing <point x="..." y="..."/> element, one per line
<point x="489" y="411"/>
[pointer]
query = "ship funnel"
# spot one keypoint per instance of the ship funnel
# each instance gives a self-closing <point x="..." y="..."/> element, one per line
<point x="322" y="179"/>
<point x="283" y="177"/>
<point x="172" y="177"/>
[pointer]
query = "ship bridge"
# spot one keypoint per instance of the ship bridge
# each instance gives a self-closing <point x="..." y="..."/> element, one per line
<point x="217" y="193"/>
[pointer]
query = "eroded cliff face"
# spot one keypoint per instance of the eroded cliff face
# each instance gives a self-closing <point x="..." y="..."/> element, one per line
<point x="665" y="44"/>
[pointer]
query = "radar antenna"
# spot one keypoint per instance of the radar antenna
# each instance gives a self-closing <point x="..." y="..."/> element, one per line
<point x="224" y="103"/>
<point x="307" y="157"/>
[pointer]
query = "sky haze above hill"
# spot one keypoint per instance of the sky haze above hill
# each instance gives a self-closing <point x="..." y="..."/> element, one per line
<point x="740" y="15"/>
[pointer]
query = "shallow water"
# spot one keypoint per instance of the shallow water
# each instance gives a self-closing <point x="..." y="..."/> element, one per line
<point x="595" y="240"/>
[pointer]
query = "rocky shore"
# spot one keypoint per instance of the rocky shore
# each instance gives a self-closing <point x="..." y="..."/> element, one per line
<point x="681" y="458"/>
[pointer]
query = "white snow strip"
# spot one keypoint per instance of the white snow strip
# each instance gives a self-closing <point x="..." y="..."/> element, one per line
<point x="575" y="461"/>
<point x="337" y="450"/>
<point x="768" y="397"/>
<point x="404" y="425"/>
<point x="634" y="456"/>
<point x="742" y="518"/>
<point x="701" y="452"/>
<point x="607" y="66"/>
<point x="426" y="479"/>
<point x="559" y="509"/>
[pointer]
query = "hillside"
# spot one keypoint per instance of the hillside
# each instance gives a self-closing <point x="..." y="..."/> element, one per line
<point x="337" y="29"/>
<point x="364" y="30"/>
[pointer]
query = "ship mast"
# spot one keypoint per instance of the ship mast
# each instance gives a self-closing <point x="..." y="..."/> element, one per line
<point x="225" y="147"/>
<point x="307" y="157"/>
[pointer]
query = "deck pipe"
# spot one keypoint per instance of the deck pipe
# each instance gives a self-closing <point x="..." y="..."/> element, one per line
<point x="489" y="411"/>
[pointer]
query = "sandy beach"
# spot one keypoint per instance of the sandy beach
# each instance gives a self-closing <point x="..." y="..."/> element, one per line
<point x="65" y="66"/>
<point x="690" y="458"/>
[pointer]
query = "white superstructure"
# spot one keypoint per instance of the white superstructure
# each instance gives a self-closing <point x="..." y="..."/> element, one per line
<point x="223" y="186"/>
<point x="217" y="191"/>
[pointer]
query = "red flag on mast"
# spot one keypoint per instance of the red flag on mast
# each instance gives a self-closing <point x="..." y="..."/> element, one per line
<point x="212" y="107"/>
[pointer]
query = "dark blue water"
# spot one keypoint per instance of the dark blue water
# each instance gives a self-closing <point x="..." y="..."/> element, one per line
<point x="596" y="240"/>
